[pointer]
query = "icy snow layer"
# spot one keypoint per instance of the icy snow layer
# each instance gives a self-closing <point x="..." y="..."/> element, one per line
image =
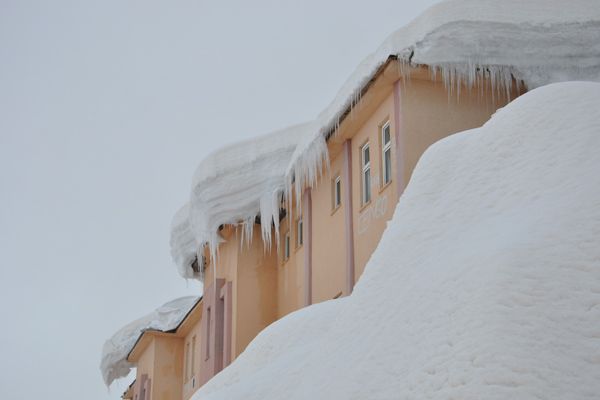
<point x="114" y="364"/>
<point x="537" y="41"/>
<point x="485" y="285"/>
<point x="184" y="247"/>
<point x="231" y="186"/>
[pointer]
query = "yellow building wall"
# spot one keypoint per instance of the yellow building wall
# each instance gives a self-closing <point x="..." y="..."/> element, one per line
<point x="145" y="365"/>
<point x="168" y="368"/>
<point x="429" y="114"/>
<point x="192" y="384"/>
<point x="290" y="272"/>
<point x="255" y="292"/>
<point x="328" y="244"/>
<point x="370" y="219"/>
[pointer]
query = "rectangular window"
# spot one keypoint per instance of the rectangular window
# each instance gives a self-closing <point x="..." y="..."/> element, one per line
<point x="386" y="154"/>
<point x="299" y="232"/>
<point x="286" y="246"/>
<point x="337" y="192"/>
<point x="366" y="174"/>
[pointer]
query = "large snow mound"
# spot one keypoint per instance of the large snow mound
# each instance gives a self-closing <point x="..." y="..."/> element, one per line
<point x="536" y="41"/>
<point x="234" y="185"/>
<point x="114" y="364"/>
<point x="485" y="285"/>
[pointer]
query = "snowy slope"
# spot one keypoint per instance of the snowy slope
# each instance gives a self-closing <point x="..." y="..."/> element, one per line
<point x="114" y="364"/>
<point x="485" y="285"/>
<point x="537" y="41"/>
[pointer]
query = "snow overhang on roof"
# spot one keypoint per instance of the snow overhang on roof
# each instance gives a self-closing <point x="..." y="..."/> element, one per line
<point x="234" y="185"/>
<point x="533" y="41"/>
<point x="166" y="318"/>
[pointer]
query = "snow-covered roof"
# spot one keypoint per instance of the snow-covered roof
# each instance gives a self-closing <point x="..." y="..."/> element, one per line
<point x="231" y="186"/>
<point x="535" y="41"/>
<point x="169" y="316"/>
<point x="485" y="284"/>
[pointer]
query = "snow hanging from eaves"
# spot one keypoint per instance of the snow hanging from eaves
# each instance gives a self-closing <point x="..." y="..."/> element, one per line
<point x="114" y="364"/>
<point x="534" y="41"/>
<point x="184" y="247"/>
<point x="235" y="185"/>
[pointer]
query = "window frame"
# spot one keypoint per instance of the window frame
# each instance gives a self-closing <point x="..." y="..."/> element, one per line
<point x="286" y="246"/>
<point x="385" y="147"/>
<point x="299" y="232"/>
<point x="365" y="168"/>
<point x="336" y="192"/>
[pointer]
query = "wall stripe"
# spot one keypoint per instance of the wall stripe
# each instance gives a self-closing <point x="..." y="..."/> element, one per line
<point x="307" y="227"/>
<point x="398" y="136"/>
<point x="348" y="217"/>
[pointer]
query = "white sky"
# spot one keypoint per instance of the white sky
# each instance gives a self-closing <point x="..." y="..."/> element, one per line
<point x="106" y="108"/>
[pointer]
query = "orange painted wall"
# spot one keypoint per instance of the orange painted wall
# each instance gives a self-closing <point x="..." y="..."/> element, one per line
<point x="290" y="272"/>
<point x="255" y="289"/>
<point x="328" y="258"/>
<point x="429" y="114"/>
<point x="168" y="368"/>
<point x="192" y="383"/>
<point x="370" y="219"/>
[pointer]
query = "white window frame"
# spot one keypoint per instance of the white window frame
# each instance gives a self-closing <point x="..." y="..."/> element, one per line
<point x="385" y="147"/>
<point x="299" y="233"/>
<point x="337" y="192"/>
<point x="366" y="170"/>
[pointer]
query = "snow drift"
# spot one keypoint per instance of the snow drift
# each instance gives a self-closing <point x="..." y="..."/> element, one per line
<point x="485" y="285"/>
<point x="534" y="41"/>
<point x="114" y="364"/>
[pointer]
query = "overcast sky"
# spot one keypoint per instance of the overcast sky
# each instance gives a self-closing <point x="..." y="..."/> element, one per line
<point x="106" y="108"/>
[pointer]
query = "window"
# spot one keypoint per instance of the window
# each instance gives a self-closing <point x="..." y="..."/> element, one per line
<point x="286" y="246"/>
<point x="386" y="154"/>
<point x="366" y="174"/>
<point x="299" y="228"/>
<point x="337" y="192"/>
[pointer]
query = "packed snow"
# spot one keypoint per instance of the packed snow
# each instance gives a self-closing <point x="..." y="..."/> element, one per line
<point x="114" y="364"/>
<point x="485" y="285"/>
<point x="234" y="186"/>
<point x="534" y="41"/>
